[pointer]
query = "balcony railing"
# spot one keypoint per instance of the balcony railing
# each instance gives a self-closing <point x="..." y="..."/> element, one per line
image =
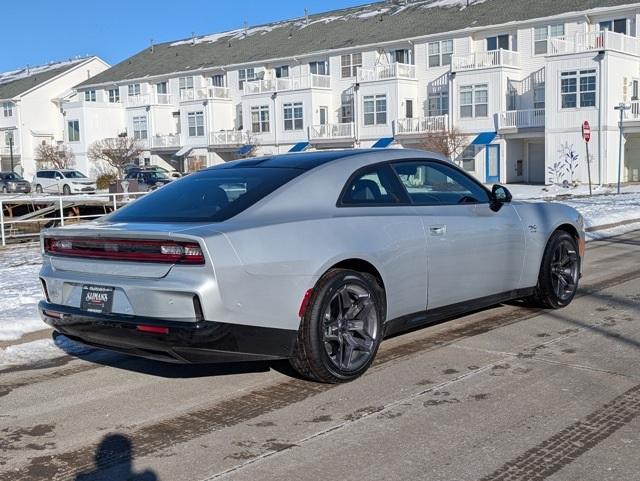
<point x="594" y="42"/>
<point x="634" y="112"/>
<point x="6" y="150"/>
<point x="166" y="141"/>
<point x="421" y="125"/>
<point x="228" y="138"/>
<point x="522" y="119"/>
<point x="205" y="93"/>
<point x="282" y="84"/>
<point x="480" y="60"/>
<point x="387" y="72"/>
<point x="143" y="100"/>
<point x="331" y="131"/>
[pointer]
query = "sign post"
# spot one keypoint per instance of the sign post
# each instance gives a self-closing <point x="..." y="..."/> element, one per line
<point x="586" y="135"/>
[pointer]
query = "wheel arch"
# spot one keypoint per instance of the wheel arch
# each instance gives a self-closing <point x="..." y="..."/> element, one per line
<point x="569" y="229"/>
<point x="360" y="265"/>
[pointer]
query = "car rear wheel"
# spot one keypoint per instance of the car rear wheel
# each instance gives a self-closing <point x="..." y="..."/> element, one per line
<point x="39" y="189"/>
<point x="559" y="272"/>
<point x="342" y="327"/>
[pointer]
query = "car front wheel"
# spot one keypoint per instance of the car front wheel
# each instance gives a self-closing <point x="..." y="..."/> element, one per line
<point x="342" y="327"/>
<point x="39" y="189"/>
<point x="66" y="190"/>
<point x="559" y="272"/>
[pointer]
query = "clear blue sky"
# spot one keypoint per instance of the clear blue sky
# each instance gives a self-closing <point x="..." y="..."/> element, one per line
<point x="39" y="31"/>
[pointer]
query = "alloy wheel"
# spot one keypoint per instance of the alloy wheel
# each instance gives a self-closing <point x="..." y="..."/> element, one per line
<point x="350" y="328"/>
<point x="564" y="270"/>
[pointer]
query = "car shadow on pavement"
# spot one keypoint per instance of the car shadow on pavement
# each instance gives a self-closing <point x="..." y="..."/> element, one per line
<point x="114" y="461"/>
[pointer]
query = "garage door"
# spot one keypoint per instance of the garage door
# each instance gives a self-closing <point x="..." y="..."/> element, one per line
<point x="536" y="163"/>
<point x="632" y="160"/>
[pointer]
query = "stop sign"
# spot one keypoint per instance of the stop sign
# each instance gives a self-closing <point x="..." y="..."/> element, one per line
<point x="586" y="131"/>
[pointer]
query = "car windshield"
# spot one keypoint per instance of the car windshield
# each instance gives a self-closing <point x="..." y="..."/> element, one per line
<point x="11" y="176"/>
<point x="211" y="195"/>
<point x="74" y="174"/>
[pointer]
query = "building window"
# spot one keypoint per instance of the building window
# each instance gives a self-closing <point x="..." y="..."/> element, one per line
<point x="319" y="68"/>
<point x="474" y="101"/>
<point x="90" y="96"/>
<point x="403" y="55"/>
<point x="114" y="95"/>
<point x="133" y="90"/>
<point x="185" y="84"/>
<point x="538" y="95"/>
<point x="350" y="64"/>
<point x="375" y="109"/>
<point x="282" y="72"/>
<point x="469" y="158"/>
<point x="218" y="80"/>
<point x="195" y="121"/>
<point x="260" y="119"/>
<point x="578" y="89"/>
<point x="438" y="104"/>
<point x="618" y="26"/>
<point x="162" y="88"/>
<point x="8" y="109"/>
<point x="542" y="34"/>
<point x="440" y="53"/>
<point x="346" y="109"/>
<point x="140" y="127"/>
<point x="73" y="130"/>
<point x="293" y="116"/>
<point x="498" y="42"/>
<point x="245" y="75"/>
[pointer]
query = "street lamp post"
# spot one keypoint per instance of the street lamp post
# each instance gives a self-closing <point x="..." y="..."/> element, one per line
<point x="622" y="108"/>
<point x="11" y="150"/>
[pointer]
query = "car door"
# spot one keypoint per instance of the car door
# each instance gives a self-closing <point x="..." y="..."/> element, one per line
<point x="473" y="250"/>
<point x="46" y="178"/>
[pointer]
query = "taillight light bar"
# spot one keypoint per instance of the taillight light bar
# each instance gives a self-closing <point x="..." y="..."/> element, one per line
<point x="134" y="250"/>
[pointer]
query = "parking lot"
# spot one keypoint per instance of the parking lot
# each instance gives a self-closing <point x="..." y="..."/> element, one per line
<point x="508" y="393"/>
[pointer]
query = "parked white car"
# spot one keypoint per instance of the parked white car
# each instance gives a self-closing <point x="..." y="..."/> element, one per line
<point x="63" y="181"/>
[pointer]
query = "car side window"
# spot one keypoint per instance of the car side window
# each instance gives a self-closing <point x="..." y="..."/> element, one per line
<point x="375" y="185"/>
<point x="433" y="183"/>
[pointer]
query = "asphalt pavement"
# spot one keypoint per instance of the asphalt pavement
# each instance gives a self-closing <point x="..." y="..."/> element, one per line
<point x="507" y="393"/>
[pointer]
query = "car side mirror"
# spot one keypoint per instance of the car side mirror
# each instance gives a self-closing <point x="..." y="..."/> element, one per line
<point x="500" y="195"/>
<point x="58" y="177"/>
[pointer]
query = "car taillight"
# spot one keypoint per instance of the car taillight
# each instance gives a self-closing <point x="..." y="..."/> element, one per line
<point x="126" y="250"/>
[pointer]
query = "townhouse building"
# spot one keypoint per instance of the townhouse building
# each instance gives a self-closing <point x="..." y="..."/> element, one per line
<point x="515" y="79"/>
<point x="30" y="113"/>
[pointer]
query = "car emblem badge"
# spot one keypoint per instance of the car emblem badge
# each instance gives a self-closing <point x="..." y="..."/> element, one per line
<point x="533" y="228"/>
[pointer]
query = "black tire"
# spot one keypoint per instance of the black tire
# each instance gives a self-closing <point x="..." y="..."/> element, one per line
<point x="559" y="272"/>
<point x="39" y="189"/>
<point x="66" y="190"/>
<point x="326" y="339"/>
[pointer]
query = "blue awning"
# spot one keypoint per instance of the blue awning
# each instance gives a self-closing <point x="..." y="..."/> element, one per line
<point x="485" y="138"/>
<point x="299" y="147"/>
<point x="245" y="149"/>
<point x="383" y="143"/>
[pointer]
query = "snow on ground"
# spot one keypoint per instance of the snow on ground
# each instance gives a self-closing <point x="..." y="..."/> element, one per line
<point x="20" y="287"/>
<point x="20" y="291"/>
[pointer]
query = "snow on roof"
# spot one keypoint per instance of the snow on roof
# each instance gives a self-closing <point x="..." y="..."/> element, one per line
<point x="28" y="71"/>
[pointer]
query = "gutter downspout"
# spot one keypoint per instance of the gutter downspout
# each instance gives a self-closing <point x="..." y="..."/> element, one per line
<point x="601" y="56"/>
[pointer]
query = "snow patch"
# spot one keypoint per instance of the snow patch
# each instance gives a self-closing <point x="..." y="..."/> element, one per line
<point x="26" y="72"/>
<point x="40" y="351"/>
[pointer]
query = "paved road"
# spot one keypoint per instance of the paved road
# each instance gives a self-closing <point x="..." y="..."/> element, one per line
<point x="508" y="393"/>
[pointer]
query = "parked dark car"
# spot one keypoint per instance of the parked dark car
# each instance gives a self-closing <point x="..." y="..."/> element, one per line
<point x="12" y="182"/>
<point x="148" y="179"/>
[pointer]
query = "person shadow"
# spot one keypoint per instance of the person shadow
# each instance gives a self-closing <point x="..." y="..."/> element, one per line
<point x="113" y="462"/>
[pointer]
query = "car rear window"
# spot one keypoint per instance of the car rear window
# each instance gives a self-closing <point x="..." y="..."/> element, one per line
<point x="213" y="195"/>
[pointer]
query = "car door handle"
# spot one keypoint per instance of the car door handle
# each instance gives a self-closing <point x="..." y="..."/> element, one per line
<point x="438" y="229"/>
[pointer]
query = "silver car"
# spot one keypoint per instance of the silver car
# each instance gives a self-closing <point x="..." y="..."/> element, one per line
<point x="313" y="257"/>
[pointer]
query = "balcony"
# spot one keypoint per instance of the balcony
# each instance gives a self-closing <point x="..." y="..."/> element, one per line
<point x="205" y="93"/>
<point x="144" y="100"/>
<point x="228" y="138"/>
<point x="423" y="125"/>
<point x="5" y="150"/>
<point x="387" y="72"/>
<point x="594" y="42"/>
<point x="482" y="60"/>
<point x="171" y="141"/>
<point x="521" y="119"/>
<point x="312" y="81"/>
<point x="332" y="132"/>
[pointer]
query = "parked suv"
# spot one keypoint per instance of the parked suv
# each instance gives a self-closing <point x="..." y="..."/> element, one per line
<point x="174" y="174"/>
<point x="148" y="179"/>
<point x="63" y="181"/>
<point x="12" y="182"/>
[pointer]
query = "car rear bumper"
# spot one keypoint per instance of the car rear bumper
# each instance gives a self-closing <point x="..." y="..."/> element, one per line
<point x="183" y="342"/>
